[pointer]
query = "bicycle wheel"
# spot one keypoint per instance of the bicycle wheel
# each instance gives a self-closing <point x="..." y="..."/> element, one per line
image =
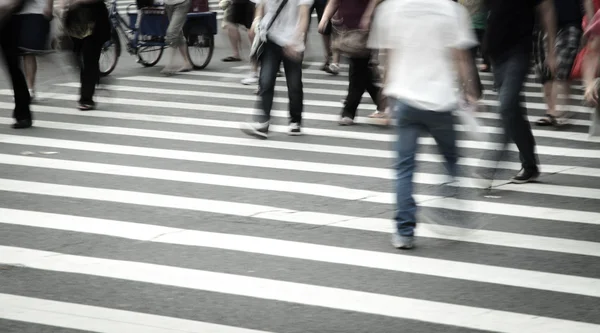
<point x="149" y="56"/>
<point x="200" y="49"/>
<point x="111" y="50"/>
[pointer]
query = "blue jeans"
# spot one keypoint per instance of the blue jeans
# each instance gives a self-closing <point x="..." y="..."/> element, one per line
<point x="411" y="122"/>
<point x="509" y="76"/>
<point x="269" y="66"/>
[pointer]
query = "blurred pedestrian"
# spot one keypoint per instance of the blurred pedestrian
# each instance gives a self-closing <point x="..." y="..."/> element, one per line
<point x="177" y="11"/>
<point x="9" y="39"/>
<point x="426" y="42"/>
<point x="508" y="42"/>
<point x="283" y="25"/>
<point x="86" y="21"/>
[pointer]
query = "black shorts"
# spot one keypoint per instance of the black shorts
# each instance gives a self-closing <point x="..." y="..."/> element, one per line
<point x="33" y="30"/>
<point x="319" y="6"/>
<point x="241" y="13"/>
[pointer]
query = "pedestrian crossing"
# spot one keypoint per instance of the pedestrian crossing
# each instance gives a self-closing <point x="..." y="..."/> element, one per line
<point x="156" y="214"/>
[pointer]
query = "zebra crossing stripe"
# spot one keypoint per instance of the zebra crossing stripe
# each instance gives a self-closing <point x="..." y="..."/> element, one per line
<point x="100" y="319"/>
<point x="305" y="251"/>
<point x="299" y="293"/>
<point x="325" y="219"/>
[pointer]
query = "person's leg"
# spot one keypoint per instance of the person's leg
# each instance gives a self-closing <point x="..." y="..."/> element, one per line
<point x="174" y="36"/>
<point x="270" y="61"/>
<point x="409" y="129"/>
<point x="8" y="44"/>
<point x="320" y="8"/>
<point x="235" y="40"/>
<point x="358" y="77"/>
<point x="441" y="127"/>
<point x="510" y="76"/>
<point x="293" y="76"/>
<point x="91" y="49"/>
<point x="30" y="67"/>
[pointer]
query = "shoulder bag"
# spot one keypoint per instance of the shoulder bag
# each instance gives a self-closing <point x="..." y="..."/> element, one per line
<point x="258" y="45"/>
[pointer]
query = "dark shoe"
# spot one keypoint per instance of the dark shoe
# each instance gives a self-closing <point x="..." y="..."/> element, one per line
<point x="525" y="176"/>
<point x="86" y="106"/>
<point x="295" y="129"/>
<point x="20" y="124"/>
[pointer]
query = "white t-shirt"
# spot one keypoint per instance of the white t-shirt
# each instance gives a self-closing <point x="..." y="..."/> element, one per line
<point x="419" y="36"/>
<point x="283" y="31"/>
<point x="34" y="7"/>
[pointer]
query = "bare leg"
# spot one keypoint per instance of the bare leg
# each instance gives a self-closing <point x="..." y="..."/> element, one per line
<point x="550" y="97"/>
<point x="187" y="62"/>
<point x="30" y="67"/>
<point x="235" y="39"/>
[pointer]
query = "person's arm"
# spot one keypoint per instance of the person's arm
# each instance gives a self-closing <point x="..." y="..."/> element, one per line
<point x="548" y="18"/>
<point x="589" y="8"/>
<point x="330" y="9"/>
<point x="258" y="15"/>
<point x="49" y="9"/>
<point x="303" y="21"/>
<point x="463" y="58"/>
<point x="365" y="21"/>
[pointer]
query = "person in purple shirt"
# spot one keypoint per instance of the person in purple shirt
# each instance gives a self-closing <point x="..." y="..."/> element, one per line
<point x="362" y="75"/>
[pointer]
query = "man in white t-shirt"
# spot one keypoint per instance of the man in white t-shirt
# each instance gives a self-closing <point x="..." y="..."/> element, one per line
<point x="285" y="43"/>
<point x="426" y="41"/>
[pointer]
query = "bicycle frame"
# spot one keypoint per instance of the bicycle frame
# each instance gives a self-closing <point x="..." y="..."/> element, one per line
<point x="131" y="34"/>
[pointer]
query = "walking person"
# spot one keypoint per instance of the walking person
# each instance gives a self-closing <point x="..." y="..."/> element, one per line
<point x="508" y="42"/>
<point x="284" y="43"/>
<point x="362" y="76"/>
<point x="177" y="11"/>
<point x="9" y="32"/>
<point x="557" y="86"/>
<point x="36" y="16"/>
<point x="426" y="42"/>
<point x="478" y="12"/>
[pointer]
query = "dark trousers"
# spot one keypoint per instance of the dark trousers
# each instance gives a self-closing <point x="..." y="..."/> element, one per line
<point x="480" y="33"/>
<point x="88" y="51"/>
<point x="270" y="62"/>
<point x="362" y="78"/>
<point x="510" y="75"/>
<point x="10" y="52"/>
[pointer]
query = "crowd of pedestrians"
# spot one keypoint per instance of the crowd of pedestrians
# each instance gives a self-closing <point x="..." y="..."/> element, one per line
<point x="423" y="46"/>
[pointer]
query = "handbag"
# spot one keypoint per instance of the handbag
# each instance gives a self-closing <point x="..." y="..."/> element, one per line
<point x="79" y="21"/>
<point x="258" y="45"/>
<point x="352" y="42"/>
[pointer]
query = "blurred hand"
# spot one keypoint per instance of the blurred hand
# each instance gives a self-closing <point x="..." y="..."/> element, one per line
<point x="365" y="22"/>
<point x="551" y="62"/>
<point x="591" y="94"/>
<point x="290" y="51"/>
<point x="322" y="26"/>
<point x="48" y="12"/>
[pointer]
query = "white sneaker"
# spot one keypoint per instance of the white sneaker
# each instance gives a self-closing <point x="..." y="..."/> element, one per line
<point x="251" y="79"/>
<point x="334" y="69"/>
<point x="295" y="129"/>
<point x="346" y="121"/>
<point x="258" y="130"/>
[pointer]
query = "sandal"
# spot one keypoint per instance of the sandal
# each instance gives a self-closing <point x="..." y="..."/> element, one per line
<point x="231" y="59"/>
<point x="546" y="120"/>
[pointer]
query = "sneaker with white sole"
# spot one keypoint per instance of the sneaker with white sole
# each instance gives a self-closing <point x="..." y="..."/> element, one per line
<point x="403" y="242"/>
<point x="251" y="79"/>
<point x="295" y="129"/>
<point x="334" y="69"/>
<point x="346" y="121"/>
<point x="258" y="130"/>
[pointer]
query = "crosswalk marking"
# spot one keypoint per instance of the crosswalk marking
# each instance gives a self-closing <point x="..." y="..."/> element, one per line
<point x="303" y="217"/>
<point x="349" y="300"/>
<point x="101" y="320"/>
<point x="371" y="259"/>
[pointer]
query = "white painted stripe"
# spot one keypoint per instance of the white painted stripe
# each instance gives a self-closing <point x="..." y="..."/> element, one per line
<point x="305" y="251"/>
<point x="307" y="102"/>
<point x="465" y="144"/>
<point x="273" y="290"/>
<point x="306" y="217"/>
<point x="231" y="124"/>
<point x="330" y="81"/>
<point x="211" y="95"/>
<point x="487" y="237"/>
<point x="99" y="319"/>
<point x="316" y="91"/>
<point x="329" y="191"/>
<point x="186" y="155"/>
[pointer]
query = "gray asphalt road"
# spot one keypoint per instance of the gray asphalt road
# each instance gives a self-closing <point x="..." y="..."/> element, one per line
<point x="156" y="214"/>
